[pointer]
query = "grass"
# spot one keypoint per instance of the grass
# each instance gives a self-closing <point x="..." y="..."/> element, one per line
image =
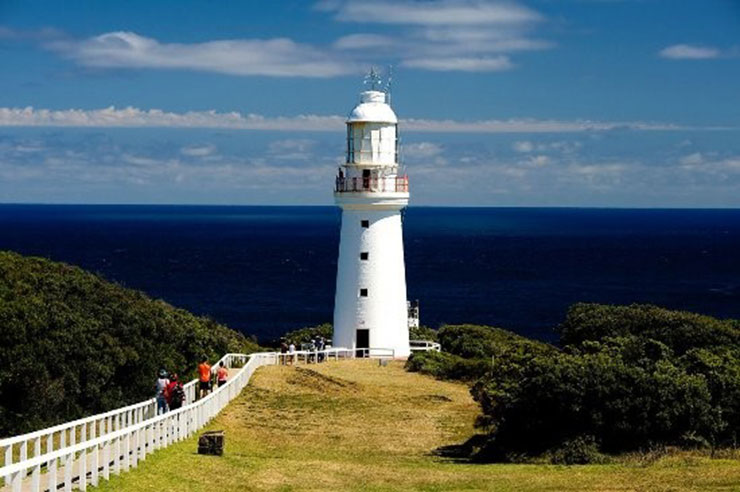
<point x="357" y="426"/>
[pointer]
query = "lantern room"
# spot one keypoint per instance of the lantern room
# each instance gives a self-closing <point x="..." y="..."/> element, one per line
<point x="372" y="136"/>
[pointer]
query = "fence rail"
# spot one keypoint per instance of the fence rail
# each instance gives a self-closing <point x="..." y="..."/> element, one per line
<point x="84" y="451"/>
<point x="424" y="345"/>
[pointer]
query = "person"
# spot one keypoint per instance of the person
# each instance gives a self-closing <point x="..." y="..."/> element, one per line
<point x="321" y="346"/>
<point x="283" y="351"/>
<point x="175" y="393"/>
<point x="204" y="377"/>
<point x="291" y="351"/>
<point x="222" y="374"/>
<point x="161" y="389"/>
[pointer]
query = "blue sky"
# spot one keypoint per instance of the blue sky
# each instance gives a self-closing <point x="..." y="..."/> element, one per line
<point x="533" y="103"/>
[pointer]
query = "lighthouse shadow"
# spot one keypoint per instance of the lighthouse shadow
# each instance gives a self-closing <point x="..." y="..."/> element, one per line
<point x="461" y="453"/>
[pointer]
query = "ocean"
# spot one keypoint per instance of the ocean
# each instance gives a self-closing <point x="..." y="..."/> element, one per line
<point x="267" y="270"/>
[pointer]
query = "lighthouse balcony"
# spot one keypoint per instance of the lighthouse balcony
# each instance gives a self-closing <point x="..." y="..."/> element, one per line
<point x="362" y="184"/>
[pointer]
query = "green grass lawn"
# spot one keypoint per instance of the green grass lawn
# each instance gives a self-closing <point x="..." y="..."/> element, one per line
<point x="357" y="426"/>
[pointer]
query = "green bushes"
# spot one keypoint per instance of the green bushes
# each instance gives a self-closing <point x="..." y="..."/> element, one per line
<point x="468" y="351"/>
<point x="681" y="331"/>
<point x="72" y="344"/>
<point x="442" y="365"/>
<point x="625" y="378"/>
<point x="423" y="333"/>
<point x="305" y="335"/>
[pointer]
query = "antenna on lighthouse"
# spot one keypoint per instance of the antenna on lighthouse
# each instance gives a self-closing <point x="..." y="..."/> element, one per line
<point x="388" y="83"/>
<point x="373" y="79"/>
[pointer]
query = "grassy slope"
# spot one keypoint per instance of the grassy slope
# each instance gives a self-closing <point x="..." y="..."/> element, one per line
<point x="354" y="425"/>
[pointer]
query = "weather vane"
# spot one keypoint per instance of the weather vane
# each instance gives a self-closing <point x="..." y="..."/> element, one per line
<point x="373" y="79"/>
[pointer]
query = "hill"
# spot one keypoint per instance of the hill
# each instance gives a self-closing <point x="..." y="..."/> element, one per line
<point x="73" y="344"/>
<point x="353" y="425"/>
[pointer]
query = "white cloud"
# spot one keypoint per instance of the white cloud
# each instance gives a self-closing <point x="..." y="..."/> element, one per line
<point x="363" y="41"/>
<point x="523" y="146"/>
<point x="292" y="149"/>
<point x="461" y="64"/>
<point x="279" y="57"/>
<point x="198" y="150"/>
<point x="134" y="117"/>
<point x="432" y="12"/>
<point x="443" y="35"/>
<point x="539" y="160"/>
<point x="692" y="159"/>
<point x="689" y="52"/>
<point x="421" y="150"/>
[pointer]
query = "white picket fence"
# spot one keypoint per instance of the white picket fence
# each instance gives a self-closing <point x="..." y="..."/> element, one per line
<point x="82" y="452"/>
<point x="424" y="346"/>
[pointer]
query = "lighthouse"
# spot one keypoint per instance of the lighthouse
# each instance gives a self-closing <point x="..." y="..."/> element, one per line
<point x="370" y="309"/>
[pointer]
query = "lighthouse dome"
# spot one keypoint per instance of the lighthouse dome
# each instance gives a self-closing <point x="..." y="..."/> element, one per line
<point x="373" y="108"/>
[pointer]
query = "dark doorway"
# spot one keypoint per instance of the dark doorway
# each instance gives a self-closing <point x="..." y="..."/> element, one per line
<point x="366" y="178"/>
<point x="363" y="341"/>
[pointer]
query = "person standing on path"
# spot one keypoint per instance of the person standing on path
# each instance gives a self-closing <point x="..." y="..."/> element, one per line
<point x="175" y="393"/>
<point x="204" y="377"/>
<point x="161" y="389"/>
<point x="222" y="374"/>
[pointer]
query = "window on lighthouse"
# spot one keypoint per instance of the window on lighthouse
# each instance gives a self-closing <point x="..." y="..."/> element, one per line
<point x="365" y="223"/>
<point x="363" y="292"/>
<point x="364" y="255"/>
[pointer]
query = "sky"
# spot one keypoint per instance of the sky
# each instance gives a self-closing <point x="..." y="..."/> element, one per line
<point x="588" y="103"/>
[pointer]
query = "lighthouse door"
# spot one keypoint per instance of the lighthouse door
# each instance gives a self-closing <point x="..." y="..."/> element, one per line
<point x="363" y="342"/>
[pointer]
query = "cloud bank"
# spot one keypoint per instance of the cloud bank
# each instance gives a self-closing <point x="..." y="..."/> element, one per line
<point x="279" y="57"/>
<point x="134" y="117"/>
<point x="433" y="35"/>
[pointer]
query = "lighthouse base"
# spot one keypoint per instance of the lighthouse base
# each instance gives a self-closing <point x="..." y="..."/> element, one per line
<point x="370" y="310"/>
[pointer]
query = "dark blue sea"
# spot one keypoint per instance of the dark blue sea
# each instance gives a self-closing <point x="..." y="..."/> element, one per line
<point x="266" y="270"/>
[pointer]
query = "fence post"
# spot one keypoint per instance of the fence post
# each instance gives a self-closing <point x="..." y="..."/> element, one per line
<point x="8" y="461"/>
<point x="83" y="459"/>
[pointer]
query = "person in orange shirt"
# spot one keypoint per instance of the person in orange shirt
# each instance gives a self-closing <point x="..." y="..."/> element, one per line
<point x="204" y="376"/>
<point x="222" y="374"/>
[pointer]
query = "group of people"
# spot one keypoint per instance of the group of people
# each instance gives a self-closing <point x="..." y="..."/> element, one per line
<point x="170" y="393"/>
<point x="288" y="348"/>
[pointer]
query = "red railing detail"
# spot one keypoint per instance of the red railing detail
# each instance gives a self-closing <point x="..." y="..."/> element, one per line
<point x="399" y="184"/>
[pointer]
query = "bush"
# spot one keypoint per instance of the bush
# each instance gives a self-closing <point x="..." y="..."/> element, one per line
<point x="582" y="450"/>
<point x="630" y="377"/>
<point x="305" y="335"/>
<point x="72" y="344"/>
<point x="447" y="366"/>
<point x="423" y="333"/>
<point x="479" y="342"/>
<point x="681" y="331"/>
<point x="546" y="401"/>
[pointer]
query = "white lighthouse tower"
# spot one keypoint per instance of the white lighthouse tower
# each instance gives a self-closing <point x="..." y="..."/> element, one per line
<point x="370" y="309"/>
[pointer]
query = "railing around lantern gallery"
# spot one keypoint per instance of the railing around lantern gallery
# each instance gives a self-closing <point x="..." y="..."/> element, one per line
<point x="87" y="450"/>
<point x="397" y="184"/>
<point x="424" y="346"/>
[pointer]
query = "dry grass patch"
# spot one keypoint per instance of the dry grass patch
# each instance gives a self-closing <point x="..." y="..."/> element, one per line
<point x="354" y="425"/>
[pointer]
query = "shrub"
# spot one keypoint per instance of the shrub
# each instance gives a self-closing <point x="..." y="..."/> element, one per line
<point x="581" y="450"/>
<point x="72" y="344"/>
<point x="305" y="335"/>
<point x="423" y="333"/>
<point x="679" y="330"/>
<point x="447" y="366"/>
<point x="478" y="342"/>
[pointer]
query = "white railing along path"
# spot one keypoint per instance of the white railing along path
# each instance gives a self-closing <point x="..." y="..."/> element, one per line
<point x="84" y="451"/>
